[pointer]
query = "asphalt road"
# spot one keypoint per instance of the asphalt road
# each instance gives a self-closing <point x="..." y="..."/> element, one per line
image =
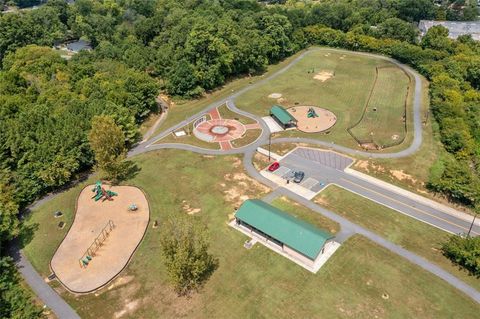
<point x="349" y="228"/>
<point x="63" y="310"/>
<point x="330" y="172"/>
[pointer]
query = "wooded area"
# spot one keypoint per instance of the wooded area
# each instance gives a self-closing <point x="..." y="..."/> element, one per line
<point x="187" y="48"/>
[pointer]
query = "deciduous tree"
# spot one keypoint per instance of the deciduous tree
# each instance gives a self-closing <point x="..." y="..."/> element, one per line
<point x="108" y="144"/>
<point x="185" y="250"/>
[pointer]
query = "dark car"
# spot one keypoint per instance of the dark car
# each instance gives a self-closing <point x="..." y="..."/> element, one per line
<point x="274" y="166"/>
<point x="298" y="176"/>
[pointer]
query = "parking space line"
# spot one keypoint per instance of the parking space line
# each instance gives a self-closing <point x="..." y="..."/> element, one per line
<point x="281" y="171"/>
<point x="309" y="183"/>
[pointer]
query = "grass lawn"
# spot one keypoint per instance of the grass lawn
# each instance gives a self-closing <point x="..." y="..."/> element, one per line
<point x="418" y="237"/>
<point x="189" y="139"/>
<point x="249" y="283"/>
<point x="249" y="137"/>
<point x="345" y="94"/>
<point x="182" y="109"/>
<point x="382" y="122"/>
<point x="226" y="113"/>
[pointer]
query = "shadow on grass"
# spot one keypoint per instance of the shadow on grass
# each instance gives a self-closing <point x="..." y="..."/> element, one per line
<point x="130" y="171"/>
<point x="27" y="231"/>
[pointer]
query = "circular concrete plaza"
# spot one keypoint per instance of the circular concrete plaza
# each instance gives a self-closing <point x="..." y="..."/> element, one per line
<point x="116" y="249"/>
<point x="220" y="130"/>
<point x="322" y="120"/>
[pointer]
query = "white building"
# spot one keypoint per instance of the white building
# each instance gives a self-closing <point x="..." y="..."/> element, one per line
<point x="455" y="28"/>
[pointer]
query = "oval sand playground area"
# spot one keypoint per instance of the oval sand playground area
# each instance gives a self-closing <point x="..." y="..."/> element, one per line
<point x="312" y="119"/>
<point x="102" y="239"/>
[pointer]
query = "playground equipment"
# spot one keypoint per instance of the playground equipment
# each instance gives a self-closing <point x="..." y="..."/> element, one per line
<point x="96" y="244"/>
<point x="132" y="207"/>
<point x="311" y="113"/>
<point x="101" y="192"/>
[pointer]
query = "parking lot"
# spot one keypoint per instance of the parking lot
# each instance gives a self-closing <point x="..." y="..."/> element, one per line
<point x="287" y="172"/>
<point x="308" y="161"/>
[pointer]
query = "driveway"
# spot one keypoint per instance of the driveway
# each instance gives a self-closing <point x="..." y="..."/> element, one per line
<point x="328" y="167"/>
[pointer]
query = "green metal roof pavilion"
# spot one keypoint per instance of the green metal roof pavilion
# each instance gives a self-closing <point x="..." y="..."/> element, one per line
<point x="282" y="115"/>
<point x="296" y="234"/>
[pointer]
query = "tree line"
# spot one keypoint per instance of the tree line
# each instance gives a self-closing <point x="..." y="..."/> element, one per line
<point x="186" y="48"/>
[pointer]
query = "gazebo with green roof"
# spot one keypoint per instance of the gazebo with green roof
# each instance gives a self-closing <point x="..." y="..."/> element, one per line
<point x="282" y="117"/>
<point x="295" y="237"/>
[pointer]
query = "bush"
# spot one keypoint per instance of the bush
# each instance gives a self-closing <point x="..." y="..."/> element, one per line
<point x="465" y="252"/>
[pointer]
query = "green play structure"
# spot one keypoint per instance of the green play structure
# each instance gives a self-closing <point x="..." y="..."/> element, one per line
<point x="100" y="192"/>
<point x="311" y="113"/>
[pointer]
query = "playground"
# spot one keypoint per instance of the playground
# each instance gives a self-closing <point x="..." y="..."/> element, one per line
<point x="341" y="82"/>
<point x="242" y="272"/>
<point x="312" y="119"/>
<point x="109" y="223"/>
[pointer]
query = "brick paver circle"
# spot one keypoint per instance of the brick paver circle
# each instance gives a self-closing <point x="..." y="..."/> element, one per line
<point x="220" y="130"/>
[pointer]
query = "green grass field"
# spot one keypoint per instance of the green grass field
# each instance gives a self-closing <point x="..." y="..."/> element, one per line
<point x="418" y="237"/>
<point x="256" y="283"/>
<point x="345" y="94"/>
<point x="182" y="109"/>
<point x="383" y="121"/>
<point x="226" y="113"/>
<point x="189" y="139"/>
<point x="249" y="137"/>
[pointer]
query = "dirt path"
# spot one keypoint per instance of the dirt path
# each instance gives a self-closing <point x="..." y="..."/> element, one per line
<point x="164" y="107"/>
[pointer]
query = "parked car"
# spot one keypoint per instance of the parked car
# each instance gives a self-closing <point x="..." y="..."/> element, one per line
<point x="298" y="176"/>
<point x="274" y="166"/>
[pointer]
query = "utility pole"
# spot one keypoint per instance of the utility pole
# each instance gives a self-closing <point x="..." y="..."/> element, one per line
<point x="471" y="226"/>
<point x="269" y="145"/>
<point x="476" y="208"/>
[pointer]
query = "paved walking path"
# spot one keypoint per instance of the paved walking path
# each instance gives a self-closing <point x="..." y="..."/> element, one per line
<point x="214" y="114"/>
<point x="225" y="145"/>
<point x="48" y="296"/>
<point x="348" y="228"/>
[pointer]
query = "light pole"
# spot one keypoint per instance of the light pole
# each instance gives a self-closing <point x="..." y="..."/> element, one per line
<point x="269" y="145"/>
<point x="471" y="226"/>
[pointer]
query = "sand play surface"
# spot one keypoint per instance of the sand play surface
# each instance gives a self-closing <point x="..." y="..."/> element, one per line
<point x="91" y="217"/>
<point x="323" y="122"/>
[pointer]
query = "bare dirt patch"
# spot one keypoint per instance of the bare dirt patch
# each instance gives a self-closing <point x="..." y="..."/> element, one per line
<point x="120" y="281"/>
<point x="236" y="162"/>
<point x="401" y="175"/>
<point x="130" y="307"/>
<point x="188" y="209"/>
<point x="275" y="96"/>
<point x="323" y="76"/>
<point x="243" y="188"/>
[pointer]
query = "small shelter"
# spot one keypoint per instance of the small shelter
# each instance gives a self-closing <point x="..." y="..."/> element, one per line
<point x="282" y="117"/>
<point x="292" y="236"/>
